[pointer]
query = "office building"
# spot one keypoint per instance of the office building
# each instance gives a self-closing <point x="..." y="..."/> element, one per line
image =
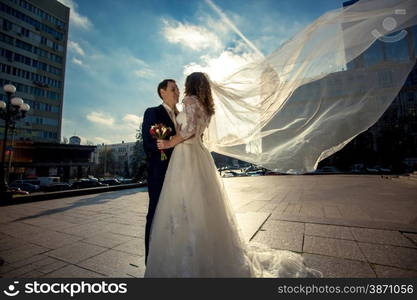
<point x="33" y="45"/>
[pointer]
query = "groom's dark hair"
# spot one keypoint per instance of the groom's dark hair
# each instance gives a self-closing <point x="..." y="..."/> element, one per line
<point x="163" y="85"/>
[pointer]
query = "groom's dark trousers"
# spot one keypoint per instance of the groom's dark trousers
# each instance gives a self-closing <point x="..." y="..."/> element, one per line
<point x="156" y="167"/>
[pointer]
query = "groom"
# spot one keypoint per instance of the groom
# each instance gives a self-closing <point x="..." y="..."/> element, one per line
<point x="165" y="114"/>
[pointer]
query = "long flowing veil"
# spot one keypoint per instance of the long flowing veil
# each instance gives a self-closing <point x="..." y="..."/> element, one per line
<point x="315" y="93"/>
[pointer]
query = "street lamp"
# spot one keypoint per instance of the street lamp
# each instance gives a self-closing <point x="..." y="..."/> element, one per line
<point x="11" y="111"/>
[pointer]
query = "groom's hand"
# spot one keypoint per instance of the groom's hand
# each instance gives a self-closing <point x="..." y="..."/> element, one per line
<point x="163" y="144"/>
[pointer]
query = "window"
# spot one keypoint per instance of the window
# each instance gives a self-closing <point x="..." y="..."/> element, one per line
<point x="24" y="32"/>
<point x="35" y="37"/>
<point x="50" y="122"/>
<point x="7" y="25"/>
<point x="22" y="45"/>
<point x="385" y="78"/>
<point x="373" y="54"/>
<point x="38" y="26"/>
<point x="414" y="34"/>
<point x="5" y="38"/>
<point x="6" y="53"/>
<point x="397" y="51"/>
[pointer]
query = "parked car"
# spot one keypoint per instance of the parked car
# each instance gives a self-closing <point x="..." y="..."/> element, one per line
<point x="33" y="181"/>
<point x="372" y="170"/>
<point x="255" y="173"/>
<point x="125" y="180"/>
<point x="383" y="170"/>
<point x="18" y="191"/>
<point x="55" y="187"/>
<point x="46" y="181"/>
<point x="251" y="168"/>
<point x="31" y="188"/>
<point x="230" y="174"/>
<point x="327" y="169"/>
<point x="224" y="168"/>
<point x="110" y="181"/>
<point x="87" y="183"/>
<point x="357" y="168"/>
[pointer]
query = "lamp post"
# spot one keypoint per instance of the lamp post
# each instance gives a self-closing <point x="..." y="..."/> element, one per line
<point x="11" y="111"/>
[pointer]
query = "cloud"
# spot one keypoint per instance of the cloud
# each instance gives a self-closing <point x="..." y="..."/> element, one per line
<point x="139" y="67"/>
<point x="225" y="63"/>
<point x="121" y="81"/>
<point x="107" y="68"/>
<point x="100" y="118"/>
<point x="75" y="47"/>
<point x="143" y="73"/>
<point x="76" y="18"/>
<point x="77" y="61"/>
<point x="133" y="120"/>
<point x="220" y="28"/>
<point x="232" y="25"/>
<point x="226" y="48"/>
<point x="100" y="140"/>
<point x="233" y="29"/>
<point x="116" y="129"/>
<point x="195" y="37"/>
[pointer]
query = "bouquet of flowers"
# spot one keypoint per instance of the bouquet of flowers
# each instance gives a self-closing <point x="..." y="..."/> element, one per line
<point x="160" y="132"/>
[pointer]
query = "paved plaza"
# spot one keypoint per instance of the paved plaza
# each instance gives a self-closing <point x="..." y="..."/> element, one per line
<point x="343" y="225"/>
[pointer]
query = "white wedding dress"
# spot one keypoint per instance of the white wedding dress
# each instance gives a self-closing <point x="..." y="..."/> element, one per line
<point x="194" y="231"/>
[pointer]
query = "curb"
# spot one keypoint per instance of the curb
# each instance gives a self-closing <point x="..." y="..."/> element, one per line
<point x="69" y="193"/>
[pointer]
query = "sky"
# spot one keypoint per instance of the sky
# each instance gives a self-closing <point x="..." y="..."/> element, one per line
<point x="118" y="52"/>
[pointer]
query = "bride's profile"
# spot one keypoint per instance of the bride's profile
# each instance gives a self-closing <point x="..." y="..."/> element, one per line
<point x="194" y="232"/>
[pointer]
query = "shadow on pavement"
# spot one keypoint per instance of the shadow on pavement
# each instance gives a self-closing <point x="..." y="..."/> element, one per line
<point x="98" y="199"/>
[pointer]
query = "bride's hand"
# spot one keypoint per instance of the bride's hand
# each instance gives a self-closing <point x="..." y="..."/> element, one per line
<point x="163" y="144"/>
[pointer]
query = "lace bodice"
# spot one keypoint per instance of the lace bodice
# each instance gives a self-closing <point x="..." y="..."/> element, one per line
<point x="193" y="120"/>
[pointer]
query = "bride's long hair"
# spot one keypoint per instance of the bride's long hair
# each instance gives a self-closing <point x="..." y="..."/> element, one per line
<point x="197" y="84"/>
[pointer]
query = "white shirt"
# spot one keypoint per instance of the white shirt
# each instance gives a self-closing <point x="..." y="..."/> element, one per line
<point x="171" y="114"/>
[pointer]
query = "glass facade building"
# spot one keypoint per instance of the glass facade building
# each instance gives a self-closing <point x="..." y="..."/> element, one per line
<point x="33" y="45"/>
<point x="395" y="133"/>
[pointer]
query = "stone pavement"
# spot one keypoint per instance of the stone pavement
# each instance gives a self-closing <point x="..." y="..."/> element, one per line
<point x="343" y="225"/>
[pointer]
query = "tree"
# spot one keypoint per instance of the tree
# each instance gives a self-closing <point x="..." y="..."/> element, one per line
<point x="139" y="163"/>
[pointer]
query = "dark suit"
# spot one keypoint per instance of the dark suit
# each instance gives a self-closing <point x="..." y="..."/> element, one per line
<point x="156" y="167"/>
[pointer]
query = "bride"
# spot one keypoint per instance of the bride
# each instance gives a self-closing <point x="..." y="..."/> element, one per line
<point x="194" y="232"/>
